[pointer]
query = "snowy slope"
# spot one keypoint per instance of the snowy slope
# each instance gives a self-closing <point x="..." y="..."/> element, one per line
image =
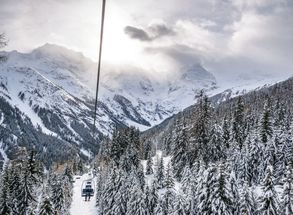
<point x="79" y="205"/>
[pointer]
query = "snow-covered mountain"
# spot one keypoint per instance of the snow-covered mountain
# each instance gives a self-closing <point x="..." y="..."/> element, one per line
<point x="53" y="87"/>
<point x="60" y="75"/>
<point x="52" y="90"/>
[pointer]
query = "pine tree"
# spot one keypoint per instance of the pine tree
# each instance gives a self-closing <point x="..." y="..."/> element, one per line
<point x="179" y="155"/>
<point x="216" y="148"/>
<point x="112" y="186"/>
<point x="247" y="202"/>
<point x="160" y="177"/>
<point x="287" y="197"/>
<point x="25" y="197"/>
<point x="288" y="148"/>
<point x="179" y="206"/>
<point x="120" y="203"/>
<point x="140" y="175"/>
<point x="268" y="202"/>
<point x="266" y="124"/>
<point x="14" y="186"/>
<point x="5" y="208"/>
<point x="234" y="192"/>
<point x="46" y="207"/>
<point x="189" y="183"/>
<point x="117" y="146"/>
<point x="159" y="208"/>
<point x="58" y="197"/>
<point x="149" y="166"/>
<point x="226" y="133"/>
<point x="137" y="203"/>
<point x="238" y="125"/>
<point x="169" y="180"/>
<point x="33" y="170"/>
<point x="134" y="144"/>
<point x="204" y="191"/>
<point x="201" y="129"/>
<point x="167" y="144"/>
<point x="221" y="195"/>
<point x="169" y="195"/>
<point x="152" y="198"/>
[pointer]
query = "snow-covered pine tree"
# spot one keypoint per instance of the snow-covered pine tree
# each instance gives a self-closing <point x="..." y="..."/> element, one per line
<point x="137" y="203"/>
<point x="266" y="130"/>
<point x="149" y="166"/>
<point x="112" y="185"/>
<point x="255" y="152"/>
<point x="121" y="197"/>
<point x="152" y="197"/>
<point x="288" y="148"/>
<point x="268" y="202"/>
<point x="134" y="144"/>
<point x="67" y="189"/>
<point x="189" y="186"/>
<point x="187" y="180"/>
<point x="287" y="197"/>
<point x="33" y="169"/>
<point x="58" y="196"/>
<point x="247" y="201"/>
<point x="169" y="179"/>
<point x="147" y="149"/>
<point x="117" y="146"/>
<point x="46" y="207"/>
<point x="201" y="130"/>
<point x="5" y="205"/>
<point x="234" y="192"/>
<point x="204" y="190"/>
<point x="216" y="150"/>
<point x="160" y="177"/>
<point x="238" y="124"/>
<point x="179" y="205"/>
<point x="222" y="202"/>
<point x="140" y="175"/>
<point x="279" y="119"/>
<point x="226" y="133"/>
<point x="68" y="173"/>
<point x="169" y="195"/>
<point x="25" y="197"/>
<point x="280" y="163"/>
<point x="167" y="144"/>
<point x="179" y="152"/>
<point x="159" y="208"/>
<point x="14" y="186"/>
<point x="243" y="166"/>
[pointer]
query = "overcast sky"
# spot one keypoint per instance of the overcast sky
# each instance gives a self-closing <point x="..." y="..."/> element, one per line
<point x="229" y="37"/>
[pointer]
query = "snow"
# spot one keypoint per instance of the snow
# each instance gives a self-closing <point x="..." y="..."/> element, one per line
<point x="85" y="152"/>
<point x="3" y="153"/>
<point x="79" y="205"/>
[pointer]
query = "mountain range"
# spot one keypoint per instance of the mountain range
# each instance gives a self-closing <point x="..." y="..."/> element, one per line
<point x="49" y="93"/>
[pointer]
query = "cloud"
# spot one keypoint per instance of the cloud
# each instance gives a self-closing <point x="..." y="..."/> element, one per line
<point x="229" y="37"/>
<point x="160" y="29"/>
<point x="151" y="33"/>
<point x="137" y="33"/>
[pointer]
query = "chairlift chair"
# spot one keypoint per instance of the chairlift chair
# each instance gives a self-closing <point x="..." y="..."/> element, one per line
<point x="87" y="187"/>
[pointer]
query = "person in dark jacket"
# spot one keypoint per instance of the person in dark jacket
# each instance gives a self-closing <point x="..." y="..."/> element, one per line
<point x="87" y="194"/>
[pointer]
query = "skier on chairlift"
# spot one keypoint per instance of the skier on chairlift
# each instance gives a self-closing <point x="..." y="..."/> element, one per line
<point x="88" y="195"/>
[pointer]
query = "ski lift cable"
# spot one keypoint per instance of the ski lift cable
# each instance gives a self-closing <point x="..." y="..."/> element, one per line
<point x="99" y="65"/>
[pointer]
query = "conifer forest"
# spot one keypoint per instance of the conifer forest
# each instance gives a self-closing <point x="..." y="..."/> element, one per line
<point x="152" y="107"/>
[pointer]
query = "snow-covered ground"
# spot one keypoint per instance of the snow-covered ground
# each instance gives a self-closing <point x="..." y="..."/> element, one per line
<point x="79" y="206"/>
